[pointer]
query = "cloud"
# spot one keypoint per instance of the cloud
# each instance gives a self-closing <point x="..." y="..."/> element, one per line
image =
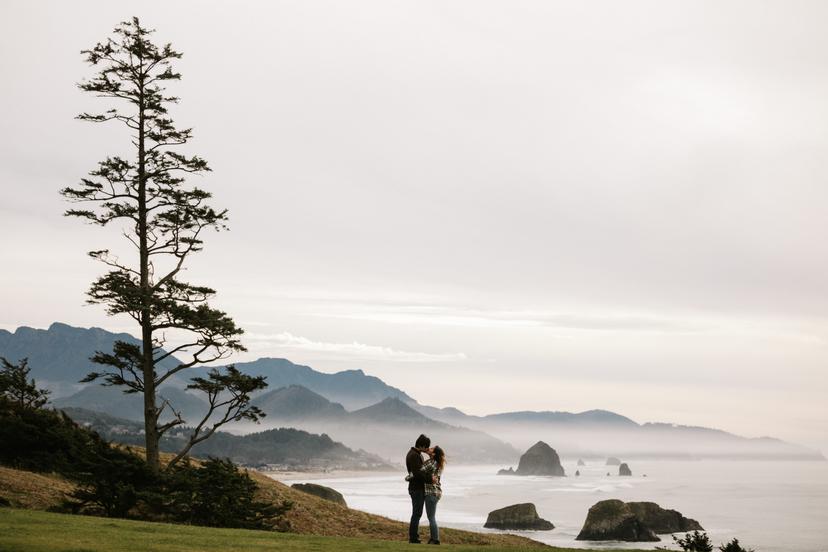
<point x="479" y="318"/>
<point x="290" y="342"/>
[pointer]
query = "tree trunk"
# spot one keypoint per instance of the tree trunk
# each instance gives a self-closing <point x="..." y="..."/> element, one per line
<point x="150" y="410"/>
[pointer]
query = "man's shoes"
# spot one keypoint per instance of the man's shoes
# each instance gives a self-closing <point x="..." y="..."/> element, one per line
<point x="415" y="542"/>
<point x="433" y="541"/>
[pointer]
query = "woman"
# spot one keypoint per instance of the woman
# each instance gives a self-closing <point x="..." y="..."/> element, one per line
<point x="433" y="470"/>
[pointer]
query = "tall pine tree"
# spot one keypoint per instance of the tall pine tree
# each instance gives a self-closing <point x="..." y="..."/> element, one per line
<point x="163" y="220"/>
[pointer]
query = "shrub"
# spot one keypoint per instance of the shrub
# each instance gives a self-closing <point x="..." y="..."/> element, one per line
<point x="217" y="494"/>
<point x="734" y="546"/>
<point x="694" y="542"/>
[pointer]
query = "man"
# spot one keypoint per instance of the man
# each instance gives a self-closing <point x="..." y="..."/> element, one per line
<point x="416" y="485"/>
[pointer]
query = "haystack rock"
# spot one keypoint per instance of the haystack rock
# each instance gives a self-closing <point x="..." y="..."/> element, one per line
<point x="322" y="492"/>
<point x="615" y="520"/>
<point x="613" y="461"/>
<point x="518" y="517"/>
<point x="661" y="520"/>
<point x="581" y="462"/>
<point x="577" y="473"/>
<point x="540" y="459"/>
<point x="624" y="469"/>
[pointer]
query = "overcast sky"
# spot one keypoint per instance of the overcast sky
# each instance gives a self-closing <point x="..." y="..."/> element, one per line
<point x="491" y="205"/>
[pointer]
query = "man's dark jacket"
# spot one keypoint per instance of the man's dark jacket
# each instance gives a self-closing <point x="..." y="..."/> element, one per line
<point x="413" y="462"/>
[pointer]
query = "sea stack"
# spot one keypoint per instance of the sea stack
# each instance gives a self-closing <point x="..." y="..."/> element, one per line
<point x="615" y="520"/>
<point x="540" y="459"/>
<point x="613" y="461"/>
<point x="517" y="517"/>
<point x="581" y="462"/>
<point x="661" y="520"/>
<point x="624" y="469"/>
<point x="633" y="522"/>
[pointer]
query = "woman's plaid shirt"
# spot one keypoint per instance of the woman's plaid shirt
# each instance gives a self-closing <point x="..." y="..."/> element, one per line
<point x="430" y="469"/>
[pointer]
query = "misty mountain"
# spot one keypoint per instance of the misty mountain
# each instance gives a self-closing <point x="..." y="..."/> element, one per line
<point x="392" y="411"/>
<point x="387" y="428"/>
<point x="112" y="400"/>
<point x="352" y="389"/>
<point x="297" y="403"/>
<point x="59" y="356"/>
<point x="286" y="447"/>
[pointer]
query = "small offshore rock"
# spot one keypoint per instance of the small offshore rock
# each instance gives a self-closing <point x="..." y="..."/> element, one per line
<point x="624" y="469"/>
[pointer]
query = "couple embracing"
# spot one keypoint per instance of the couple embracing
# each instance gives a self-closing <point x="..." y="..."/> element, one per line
<point x="424" y="486"/>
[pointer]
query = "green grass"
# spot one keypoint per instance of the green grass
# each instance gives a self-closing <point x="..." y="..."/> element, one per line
<point x="34" y="531"/>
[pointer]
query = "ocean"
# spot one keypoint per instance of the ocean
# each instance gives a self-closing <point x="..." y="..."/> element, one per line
<point x="768" y="506"/>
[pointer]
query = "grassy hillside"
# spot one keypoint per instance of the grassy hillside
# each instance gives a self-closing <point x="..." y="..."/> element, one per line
<point x="310" y="515"/>
<point x="32" y="531"/>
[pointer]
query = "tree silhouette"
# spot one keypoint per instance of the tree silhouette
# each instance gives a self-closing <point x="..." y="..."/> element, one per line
<point x="163" y="220"/>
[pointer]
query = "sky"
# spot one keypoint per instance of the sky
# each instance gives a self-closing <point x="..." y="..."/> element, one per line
<point x="491" y="205"/>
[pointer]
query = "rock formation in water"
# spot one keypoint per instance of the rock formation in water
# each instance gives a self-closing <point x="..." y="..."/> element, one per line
<point x="613" y="461"/>
<point x="615" y="520"/>
<point x="661" y="520"/>
<point x="581" y="462"/>
<point x="577" y="473"/>
<point x="624" y="469"/>
<point x="510" y="471"/>
<point x="321" y="491"/>
<point x="540" y="459"/>
<point x="518" y="517"/>
<point x="633" y="521"/>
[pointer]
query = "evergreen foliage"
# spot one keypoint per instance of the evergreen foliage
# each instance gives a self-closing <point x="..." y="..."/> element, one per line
<point x="163" y="220"/>
<point x="16" y="386"/>
<point x="734" y="546"/>
<point x="694" y="542"/>
<point x="115" y="482"/>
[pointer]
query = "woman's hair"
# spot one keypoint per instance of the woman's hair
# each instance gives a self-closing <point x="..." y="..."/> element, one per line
<point x="439" y="457"/>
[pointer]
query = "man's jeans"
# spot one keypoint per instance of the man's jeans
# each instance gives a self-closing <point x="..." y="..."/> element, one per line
<point x="431" y="512"/>
<point x="417" y="500"/>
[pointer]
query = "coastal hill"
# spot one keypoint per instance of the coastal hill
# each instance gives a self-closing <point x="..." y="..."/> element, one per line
<point x="283" y="448"/>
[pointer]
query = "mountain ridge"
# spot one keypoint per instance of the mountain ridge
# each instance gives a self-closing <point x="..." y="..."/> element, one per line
<point x="63" y="350"/>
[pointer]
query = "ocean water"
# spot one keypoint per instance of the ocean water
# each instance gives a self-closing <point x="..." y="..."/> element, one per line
<point x="769" y="506"/>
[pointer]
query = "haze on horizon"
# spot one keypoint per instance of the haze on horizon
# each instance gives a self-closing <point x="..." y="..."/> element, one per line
<point x="554" y="206"/>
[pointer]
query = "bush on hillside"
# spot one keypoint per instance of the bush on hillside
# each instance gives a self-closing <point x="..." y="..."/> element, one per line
<point x="734" y="546"/>
<point x="114" y="482"/>
<point x="694" y="542"/>
<point x="217" y="494"/>
<point x="17" y="388"/>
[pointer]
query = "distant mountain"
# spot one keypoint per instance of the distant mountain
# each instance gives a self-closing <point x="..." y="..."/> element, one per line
<point x="297" y="403"/>
<point x="589" y="417"/>
<point x="352" y="389"/>
<point x="387" y="428"/>
<point x="393" y="411"/>
<point x="285" y="447"/>
<point x="320" y="401"/>
<point x="113" y="400"/>
<point x="59" y="356"/>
